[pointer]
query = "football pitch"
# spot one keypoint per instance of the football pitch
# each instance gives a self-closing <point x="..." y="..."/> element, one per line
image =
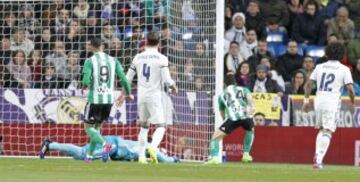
<point x="67" y="170"/>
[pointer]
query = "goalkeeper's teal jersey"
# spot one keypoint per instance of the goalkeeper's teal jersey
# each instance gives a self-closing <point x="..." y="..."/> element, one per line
<point x="99" y="74"/>
<point x="233" y="101"/>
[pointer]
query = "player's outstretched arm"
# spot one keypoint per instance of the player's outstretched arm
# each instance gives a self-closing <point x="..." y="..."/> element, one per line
<point x="307" y="89"/>
<point x="351" y="91"/>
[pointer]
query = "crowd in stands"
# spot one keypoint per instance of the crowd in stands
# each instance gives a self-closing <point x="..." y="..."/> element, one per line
<point x="44" y="44"/>
<point x="273" y="45"/>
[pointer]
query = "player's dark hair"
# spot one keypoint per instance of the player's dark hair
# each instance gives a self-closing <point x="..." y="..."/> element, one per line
<point x="229" y="79"/>
<point x="153" y="39"/>
<point x="335" y="51"/>
<point x="95" y="42"/>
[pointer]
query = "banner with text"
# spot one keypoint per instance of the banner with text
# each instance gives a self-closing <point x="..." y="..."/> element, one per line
<point x="268" y="109"/>
<point x="67" y="107"/>
<point x="348" y="118"/>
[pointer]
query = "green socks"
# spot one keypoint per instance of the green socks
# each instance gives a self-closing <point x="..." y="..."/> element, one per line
<point x="248" y="140"/>
<point x="95" y="138"/>
<point x="214" y="148"/>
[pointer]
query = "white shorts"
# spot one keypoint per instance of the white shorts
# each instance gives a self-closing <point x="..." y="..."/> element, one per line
<point x="326" y="119"/>
<point x="151" y="111"/>
<point x="327" y="114"/>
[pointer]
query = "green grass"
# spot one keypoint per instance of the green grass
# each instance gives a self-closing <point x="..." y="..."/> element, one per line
<point x="66" y="170"/>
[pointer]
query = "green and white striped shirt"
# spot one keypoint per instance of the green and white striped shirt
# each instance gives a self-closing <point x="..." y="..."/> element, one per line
<point x="233" y="101"/>
<point x="99" y="74"/>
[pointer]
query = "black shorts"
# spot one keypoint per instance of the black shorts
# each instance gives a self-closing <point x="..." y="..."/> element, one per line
<point x="228" y="126"/>
<point x="97" y="113"/>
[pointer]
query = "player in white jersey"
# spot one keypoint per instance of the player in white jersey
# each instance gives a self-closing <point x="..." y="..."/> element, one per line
<point x="330" y="78"/>
<point x="151" y="68"/>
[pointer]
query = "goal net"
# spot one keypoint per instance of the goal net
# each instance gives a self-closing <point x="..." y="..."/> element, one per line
<point x="43" y="48"/>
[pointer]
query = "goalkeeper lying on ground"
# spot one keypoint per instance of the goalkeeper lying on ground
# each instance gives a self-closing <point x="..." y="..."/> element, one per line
<point x="122" y="150"/>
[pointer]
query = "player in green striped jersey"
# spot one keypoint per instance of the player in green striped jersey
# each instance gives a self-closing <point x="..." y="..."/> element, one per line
<point x="236" y="107"/>
<point x="99" y="76"/>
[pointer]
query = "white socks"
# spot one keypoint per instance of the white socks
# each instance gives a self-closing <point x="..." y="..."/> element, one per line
<point x="157" y="137"/>
<point x="142" y="138"/>
<point x="322" y="145"/>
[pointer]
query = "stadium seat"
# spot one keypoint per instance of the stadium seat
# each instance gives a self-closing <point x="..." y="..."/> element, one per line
<point x="315" y="51"/>
<point x="276" y="38"/>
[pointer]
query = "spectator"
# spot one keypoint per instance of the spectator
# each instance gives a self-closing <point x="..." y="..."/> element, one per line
<point x="156" y="11"/>
<point x="295" y="7"/>
<point x="132" y="45"/>
<point x="262" y="83"/>
<point x="28" y="22"/>
<point x="239" y="6"/>
<point x="276" y="9"/>
<point x="188" y="13"/>
<point x="259" y="119"/>
<point x="356" y="73"/>
<point x="297" y="83"/>
<point x="81" y="9"/>
<point x="174" y="73"/>
<point x="199" y="84"/>
<point x="177" y="48"/>
<point x="106" y="10"/>
<point x="19" y="41"/>
<point x="35" y="64"/>
<point x="308" y="66"/>
<point x="107" y="34"/>
<point x="289" y="62"/>
<point x="7" y="80"/>
<point x="93" y="26"/>
<point x="86" y="52"/>
<point x="49" y="15"/>
<point x="328" y="8"/>
<point x="242" y="75"/>
<point x="260" y="52"/>
<point x="58" y="58"/>
<point x="19" y="68"/>
<point x="233" y="59"/>
<point x="202" y="62"/>
<point x="60" y="23"/>
<point x="115" y="50"/>
<point x="248" y="46"/>
<point x="238" y="30"/>
<point x="44" y="41"/>
<point x="354" y="7"/>
<point x="188" y="76"/>
<point x="272" y="73"/>
<point x="353" y="50"/>
<point x="9" y="24"/>
<point x="73" y="38"/>
<point x="308" y="27"/>
<point x="5" y="52"/>
<point x="49" y="79"/>
<point x="165" y="37"/>
<point x="341" y="26"/>
<point x="254" y="19"/>
<point x="72" y="71"/>
<point x="228" y="17"/>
